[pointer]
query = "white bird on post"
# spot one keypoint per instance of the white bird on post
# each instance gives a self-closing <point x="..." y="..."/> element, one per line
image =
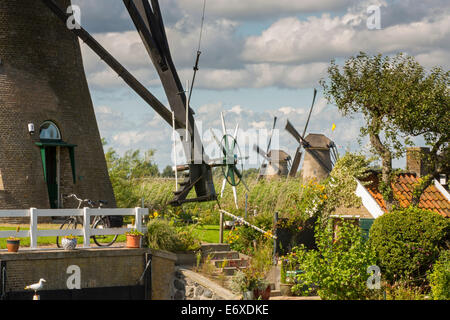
<point x="36" y="287"/>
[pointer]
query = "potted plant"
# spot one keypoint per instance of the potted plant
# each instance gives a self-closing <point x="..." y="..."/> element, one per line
<point x="286" y="282"/>
<point x="69" y="242"/>
<point x="13" y="243"/>
<point x="134" y="238"/>
<point x="243" y="284"/>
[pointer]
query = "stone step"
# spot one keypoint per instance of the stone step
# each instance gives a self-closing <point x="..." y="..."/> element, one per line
<point x="220" y="263"/>
<point x="229" y="271"/>
<point x="221" y="255"/>
<point x="214" y="247"/>
<point x="275" y="293"/>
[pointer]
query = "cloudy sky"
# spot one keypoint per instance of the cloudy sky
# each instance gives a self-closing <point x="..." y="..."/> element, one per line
<point x="260" y="59"/>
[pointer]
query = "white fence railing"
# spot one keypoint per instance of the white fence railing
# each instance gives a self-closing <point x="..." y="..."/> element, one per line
<point x="240" y="219"/>
<point x="86" y="232"/>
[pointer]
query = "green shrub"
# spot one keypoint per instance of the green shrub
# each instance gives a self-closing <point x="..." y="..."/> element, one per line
<point x="439" y="278"/>
<point x="338" y="268"/>
<point x="242" y="237"/>
<point x="407" y="242"/>
<point x="163" y="235"/>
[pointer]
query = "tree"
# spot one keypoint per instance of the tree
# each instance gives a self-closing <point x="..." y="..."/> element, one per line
<point x="429" y="117"/>
<point x="124" y="170"/>
<point x="168" y="172"/>
<point x="389" y="91"/>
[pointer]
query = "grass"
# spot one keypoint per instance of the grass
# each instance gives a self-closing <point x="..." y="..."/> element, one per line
<point x="209" y="233"/>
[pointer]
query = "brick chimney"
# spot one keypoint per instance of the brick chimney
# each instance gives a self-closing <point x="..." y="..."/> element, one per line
<point x="416" y="160"/>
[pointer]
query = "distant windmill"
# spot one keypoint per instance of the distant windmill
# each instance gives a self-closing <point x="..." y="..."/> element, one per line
<point x="319" y="150"/>
<point x="278" y="161"/>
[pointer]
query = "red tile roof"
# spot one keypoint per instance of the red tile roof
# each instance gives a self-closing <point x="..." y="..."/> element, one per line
<point x="431" y="199"/>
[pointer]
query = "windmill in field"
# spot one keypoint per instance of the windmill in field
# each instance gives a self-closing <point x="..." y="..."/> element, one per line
<point x="276" y="163"/>
<point x="319" y="151"/>
<point x="147" y="18"/>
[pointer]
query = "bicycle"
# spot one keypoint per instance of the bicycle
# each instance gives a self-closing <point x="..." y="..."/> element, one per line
<point x="99" y="222"/>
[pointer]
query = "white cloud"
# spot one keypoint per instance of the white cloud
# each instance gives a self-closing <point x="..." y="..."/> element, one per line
<point x="252" y="9"/>
<point x="291" y="40"/>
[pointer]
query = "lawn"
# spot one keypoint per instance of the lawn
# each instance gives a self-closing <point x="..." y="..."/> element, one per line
<point x="209" y="233"/>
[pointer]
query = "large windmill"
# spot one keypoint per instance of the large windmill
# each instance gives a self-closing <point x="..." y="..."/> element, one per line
<point x="50" y="143"/>
<point x="275" y="162"/>
<point x="319" y="151"/>
<point x="147" y="18"/>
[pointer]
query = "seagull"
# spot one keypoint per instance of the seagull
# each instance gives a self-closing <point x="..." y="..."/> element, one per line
<point x="36" y="286"/>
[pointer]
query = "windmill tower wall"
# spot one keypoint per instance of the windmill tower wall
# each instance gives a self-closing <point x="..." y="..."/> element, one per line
<point x="313" y="168"/>
<point x="42" y="79"/>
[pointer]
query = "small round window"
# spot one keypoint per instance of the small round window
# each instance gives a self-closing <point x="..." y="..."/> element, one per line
<point x="49" y="131"/>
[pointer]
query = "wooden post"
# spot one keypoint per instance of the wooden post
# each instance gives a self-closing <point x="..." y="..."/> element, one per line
<point x="275" y="241"/>
<point x="246" y="200"/>
<point x="86" y="228"/>
<point x="221" y="228"/>
<point x="138" y="223"/>
<point x="33" y="228"/>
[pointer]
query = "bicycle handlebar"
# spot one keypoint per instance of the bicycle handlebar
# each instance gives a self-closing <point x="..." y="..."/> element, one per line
<point x="90" y="202"/>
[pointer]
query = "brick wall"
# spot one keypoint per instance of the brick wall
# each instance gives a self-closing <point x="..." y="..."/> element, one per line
<point x="42" y="78"/>
<point x="111" y="267"/>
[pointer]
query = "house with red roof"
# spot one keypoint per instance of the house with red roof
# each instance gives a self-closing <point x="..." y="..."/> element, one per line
<point x="435" y="197"/>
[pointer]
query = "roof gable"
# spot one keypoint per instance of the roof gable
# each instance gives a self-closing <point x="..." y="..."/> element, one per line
<point x="403" y="186"/>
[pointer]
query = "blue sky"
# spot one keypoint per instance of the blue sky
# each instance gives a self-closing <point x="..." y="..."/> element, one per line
<point x="259" y="59"/>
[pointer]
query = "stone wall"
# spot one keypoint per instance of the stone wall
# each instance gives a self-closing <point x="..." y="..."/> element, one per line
<point x="98" y="268"/>
<point x="189" y="285"/>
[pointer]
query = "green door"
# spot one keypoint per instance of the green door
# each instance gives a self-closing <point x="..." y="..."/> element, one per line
<point x="365" y="224"/>
<point x="51" y="175"/>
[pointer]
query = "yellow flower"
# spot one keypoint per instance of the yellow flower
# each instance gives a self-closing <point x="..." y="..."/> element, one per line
<point x="155" y="214"/>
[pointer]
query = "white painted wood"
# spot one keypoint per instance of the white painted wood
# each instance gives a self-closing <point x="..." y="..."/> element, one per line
<point x="13" y="233"/>
<point x="109" y="231"/>
<point x="368" y="201"/>
<point x="33" y="228"/>
<point x="86" y="231"/>
<point x="14" y="213"/>
<point x="59" y="212"/>
<point x="86" y="227"/>
<point x="60" y="233"/>
<point x="442" y="189"/>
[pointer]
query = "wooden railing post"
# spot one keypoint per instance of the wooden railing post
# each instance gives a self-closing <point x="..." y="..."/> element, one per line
<point x="33" y="228"/>
<point x="221" y="228"/>
<point x="275" y="240"/>
<point x="138" y="219"/>
<point x="86" y="227"/>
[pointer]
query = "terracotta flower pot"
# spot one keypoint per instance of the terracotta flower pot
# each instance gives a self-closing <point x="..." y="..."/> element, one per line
<point x="133" y="241"/>
<point x="12" y="245"/>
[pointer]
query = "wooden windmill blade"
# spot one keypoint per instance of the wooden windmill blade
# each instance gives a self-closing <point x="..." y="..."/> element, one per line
<point x="148" y="21"/>
<point x="310" y="112"/>
<point x="290" y="128"/>
<point x="295" y="162"/>
<point x="115" y="65"/>
<point x="271" y="134"/>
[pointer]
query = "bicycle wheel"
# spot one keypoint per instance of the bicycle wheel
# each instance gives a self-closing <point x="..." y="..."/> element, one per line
<point x="100" y="240"/>
<point x="69" y="223"/>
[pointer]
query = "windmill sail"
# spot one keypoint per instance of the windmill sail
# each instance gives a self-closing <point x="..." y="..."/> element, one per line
<point x="149" y="23"/>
